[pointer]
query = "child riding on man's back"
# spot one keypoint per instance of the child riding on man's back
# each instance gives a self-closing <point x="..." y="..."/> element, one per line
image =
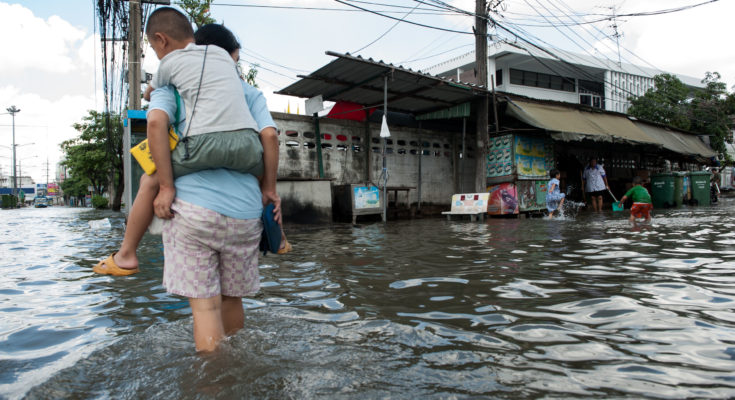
<point x="168" y="32"/>
<point x="209" y="84"/>
<point x="641" y="201"/>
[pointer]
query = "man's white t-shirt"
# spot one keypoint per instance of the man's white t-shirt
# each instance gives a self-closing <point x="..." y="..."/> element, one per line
<point x="221" y="106"/>
<point x="594" y="178"/>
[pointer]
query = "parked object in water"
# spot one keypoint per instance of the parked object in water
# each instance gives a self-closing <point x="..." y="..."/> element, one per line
<point x="701" y="187"/>
<point x="40" y="202"/>
<point x="662" y="190"/>
<point x="472" y="204"/>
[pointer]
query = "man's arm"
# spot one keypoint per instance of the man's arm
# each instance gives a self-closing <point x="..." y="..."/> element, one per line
<point x="269" y="139"/>
<point x="158" y="141"/>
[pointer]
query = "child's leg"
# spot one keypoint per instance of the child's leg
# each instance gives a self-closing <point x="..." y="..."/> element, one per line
<point x="141" y="214"/>
<point x="208" y="329"/>
<point x="233" y="315"/>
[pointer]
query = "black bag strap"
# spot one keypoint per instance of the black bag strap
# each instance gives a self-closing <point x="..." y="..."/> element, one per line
<point x="185" y="139"/>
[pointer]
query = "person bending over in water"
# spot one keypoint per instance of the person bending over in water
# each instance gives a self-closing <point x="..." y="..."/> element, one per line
<point x="641" y="201"/>
<point x="554" y="196"/>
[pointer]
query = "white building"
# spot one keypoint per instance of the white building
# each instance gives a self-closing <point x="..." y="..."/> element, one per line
<point x="583" y="79"/>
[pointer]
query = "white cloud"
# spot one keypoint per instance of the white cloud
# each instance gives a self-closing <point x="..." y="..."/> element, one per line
<point x="44" y="122"/>
<point x="687" y="42"/>
<point x="33" y="43"/>
<point x="48" y="71"/>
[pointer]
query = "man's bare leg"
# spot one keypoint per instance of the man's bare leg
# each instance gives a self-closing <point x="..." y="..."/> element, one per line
<point x="233" y="315"/>
<point x="208" y="328"/>
<point x="141" y="214"/>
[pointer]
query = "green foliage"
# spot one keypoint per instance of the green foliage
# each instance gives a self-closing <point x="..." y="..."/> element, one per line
<point x="9" y="201"/>
<point x="250" y="76"/>
<point x="99" y="202"/>
<point x="712" y="110"/>
<point x="666" y="103"/>
<point x="92" y="158"/>
<point x="197" y="11"/>
<point x="75" y="186"/>
<point x="707" y="111"/>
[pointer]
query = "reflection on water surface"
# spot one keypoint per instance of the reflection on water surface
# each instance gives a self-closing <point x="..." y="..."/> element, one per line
<point x="507" y="309"/>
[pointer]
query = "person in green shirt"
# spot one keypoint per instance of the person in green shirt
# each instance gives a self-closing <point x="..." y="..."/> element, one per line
<point x="641" y="201"/>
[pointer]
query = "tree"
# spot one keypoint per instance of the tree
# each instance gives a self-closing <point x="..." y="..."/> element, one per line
<point x="665" y="103"/>
<point x="712" y="110"/>
<point x="96" y="158"/>
<point x="707" y="111"/>
<point x="75" y="186"/>
<point x="199" y="13"/>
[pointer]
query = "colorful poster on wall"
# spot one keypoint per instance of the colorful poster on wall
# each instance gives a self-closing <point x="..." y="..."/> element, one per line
<point x="533" y="156"/>
<point x="503" y="199"/>
<point x="499" y="157"/>
<point x="366" y="197"/>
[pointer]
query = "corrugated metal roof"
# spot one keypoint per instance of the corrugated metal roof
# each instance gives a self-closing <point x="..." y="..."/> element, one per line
<point x="359" y="80"/>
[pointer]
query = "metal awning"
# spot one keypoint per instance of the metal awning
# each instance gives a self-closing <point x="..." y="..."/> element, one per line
<point x="567" y="123"/>
<point x="359" y="80"/>
<point x="460" y="111"/>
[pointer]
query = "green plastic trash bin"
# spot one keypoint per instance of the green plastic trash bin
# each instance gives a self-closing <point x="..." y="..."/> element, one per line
<point x="679" y="188"/>
<point x="662" y="190"/>
<point x="700" y="187"/>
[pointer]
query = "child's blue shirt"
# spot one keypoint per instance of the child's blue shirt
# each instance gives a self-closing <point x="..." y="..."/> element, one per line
<point x="227" y="192"/>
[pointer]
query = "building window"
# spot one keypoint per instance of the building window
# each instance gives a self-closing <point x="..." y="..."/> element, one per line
<point x="541" y="80"/>
<point x="591" y="100"/>
<point x="498" y="77"/>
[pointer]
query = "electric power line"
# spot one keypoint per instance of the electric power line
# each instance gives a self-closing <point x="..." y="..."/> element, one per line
<point x="389" y="29"/>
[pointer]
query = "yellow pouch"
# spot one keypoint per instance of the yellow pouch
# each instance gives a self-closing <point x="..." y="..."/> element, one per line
<point x="142" y="152"/>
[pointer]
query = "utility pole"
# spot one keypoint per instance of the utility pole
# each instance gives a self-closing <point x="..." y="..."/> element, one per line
<point x="616" y="33"/>
<point x="483" y="104"/>
<point x="12" y="110"/>
<point x="134" y="55"/>
<point x="134" y="49"/>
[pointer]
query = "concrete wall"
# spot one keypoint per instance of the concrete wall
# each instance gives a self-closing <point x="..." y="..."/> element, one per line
<point x="307" y="202"/>
<point x="346" y="146"/>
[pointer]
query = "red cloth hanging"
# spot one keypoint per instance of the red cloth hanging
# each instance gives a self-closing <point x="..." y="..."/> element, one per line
<point x="350" y="111"/>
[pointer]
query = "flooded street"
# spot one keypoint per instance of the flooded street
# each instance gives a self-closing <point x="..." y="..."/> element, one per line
<point x="588" y="307"/>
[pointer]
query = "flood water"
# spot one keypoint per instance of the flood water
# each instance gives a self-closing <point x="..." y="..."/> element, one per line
<point x="577" y="308"/>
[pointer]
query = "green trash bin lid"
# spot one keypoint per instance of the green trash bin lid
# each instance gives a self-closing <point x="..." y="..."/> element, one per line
<point x="700" y="173"/>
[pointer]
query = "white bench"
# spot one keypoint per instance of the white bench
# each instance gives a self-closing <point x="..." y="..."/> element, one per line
<point x="472" y="204"/>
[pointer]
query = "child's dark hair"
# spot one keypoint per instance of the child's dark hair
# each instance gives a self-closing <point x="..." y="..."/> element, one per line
<point x="637" y="180"/>
<point x="171" y="22"/>
<point x="217" y="35"/>
<point x="553" y="173"/>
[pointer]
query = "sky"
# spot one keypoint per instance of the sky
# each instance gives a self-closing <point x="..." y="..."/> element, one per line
<point x="51" y="63"/>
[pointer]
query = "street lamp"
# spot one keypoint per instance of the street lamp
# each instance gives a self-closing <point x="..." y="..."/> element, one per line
<point x="12" y="110"/>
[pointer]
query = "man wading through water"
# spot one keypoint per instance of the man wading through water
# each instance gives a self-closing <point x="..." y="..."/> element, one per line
<point x="595" y="184"/>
